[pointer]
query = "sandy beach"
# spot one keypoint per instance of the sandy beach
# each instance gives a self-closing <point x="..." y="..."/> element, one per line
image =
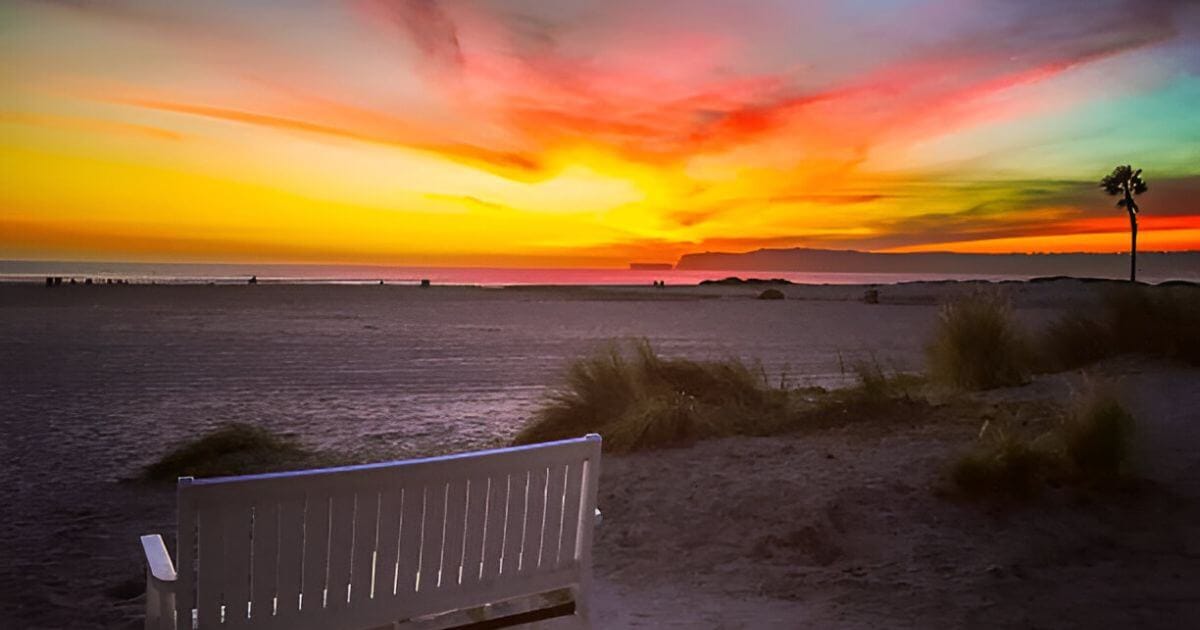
<point x="841" y="528"/>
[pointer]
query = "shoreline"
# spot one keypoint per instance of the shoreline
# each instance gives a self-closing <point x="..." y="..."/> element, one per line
<point x="726" y="281"/>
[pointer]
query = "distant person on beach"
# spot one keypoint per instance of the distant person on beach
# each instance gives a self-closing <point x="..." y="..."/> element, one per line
<point x="253" y="280"/>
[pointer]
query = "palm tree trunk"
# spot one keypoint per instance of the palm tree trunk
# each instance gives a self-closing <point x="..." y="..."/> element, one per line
<point x="1132" y="246"/>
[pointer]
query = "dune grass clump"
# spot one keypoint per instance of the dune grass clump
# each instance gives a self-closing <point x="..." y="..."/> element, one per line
<point x="1153" y="321"/>
<point x="978" y="345"/>
<point x="1097" y="439"/>
<point x="232" y="449"/>
<point x="1005" y="464"/>
<point x="1090" y="447"/>
<point x="1074" y="340"/>
<point x="874" y="391"/>
<point x="639" y="400"/>
<point x="875" y="387"/>
<point x="877" y="397"/>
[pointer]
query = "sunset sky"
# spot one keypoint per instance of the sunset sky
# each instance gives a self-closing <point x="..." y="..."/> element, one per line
<point x="589" y="132"/>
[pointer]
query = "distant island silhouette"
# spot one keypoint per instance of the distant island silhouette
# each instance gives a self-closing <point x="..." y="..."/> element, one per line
<point x="851" y="261"/>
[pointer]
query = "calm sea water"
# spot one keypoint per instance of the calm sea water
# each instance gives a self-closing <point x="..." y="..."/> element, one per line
<point x="36" y="271"/>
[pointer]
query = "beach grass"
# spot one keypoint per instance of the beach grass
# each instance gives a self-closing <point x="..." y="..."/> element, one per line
<point x="1072" y="341"/>
<point x="977" y="344"/>
<point x="1157" y="321"/>
<point x="231" y="449"/>
<point x="1097" y="438"/>
<point x="637" y="400"/>
<point x="1151" y="321"/>
<point x="1005" y="464"/>
<point x="1089" y="447"/>
<point x="875" y="387"/>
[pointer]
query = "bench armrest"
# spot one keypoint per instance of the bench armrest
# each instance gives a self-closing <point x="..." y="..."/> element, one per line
<point x="158" y="561"/>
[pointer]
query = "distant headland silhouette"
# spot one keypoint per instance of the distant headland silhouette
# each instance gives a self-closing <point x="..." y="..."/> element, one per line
<point x="851" y="261"/>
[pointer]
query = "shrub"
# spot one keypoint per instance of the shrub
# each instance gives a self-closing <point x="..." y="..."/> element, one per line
<point x="771" y="294"/>
<point x="1090" y="447"/>
<point x="874" y="388"/>
<point x="1156" y="321"/>
<point x="1074" y="340"/>
<point x="877" y="396"/>
<point x="674" y="419"/>
<point x="640" y="400"/>
<point x="1004" y="464"/>
<point x="1162" y="321"/>
<point x="977" y="344"/>
<point x="1097" y="438"/>
<point x="232" y="449"/>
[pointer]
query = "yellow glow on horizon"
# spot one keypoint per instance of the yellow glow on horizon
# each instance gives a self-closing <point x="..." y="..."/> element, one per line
<point x="1099" y="242"/>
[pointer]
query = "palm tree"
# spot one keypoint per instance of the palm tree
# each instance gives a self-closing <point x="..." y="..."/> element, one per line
<point x="1127" y="182"/>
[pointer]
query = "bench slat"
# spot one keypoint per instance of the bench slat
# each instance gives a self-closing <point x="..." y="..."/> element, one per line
<point x="264" y="559"/>
<point x="456" y="515"/>
<point x="477" y="497"/>
<point x="514" y="522"/>
<point x="390" y="506"/>
<point x="209" y="567"/>
<point x="362" y="570"/>
<point x="433" y="534"/>
<point x="291" y="558"/>
<point x="316" y="553"/>
<point x="341" y="550"/>
<point x="493" y="543"/>
<point x="571" y="509"/>
<point x="552" y="535"/>
<point x="236" y="523"/>
<point x="410" y="541"/>
<point x="535" y="515"/>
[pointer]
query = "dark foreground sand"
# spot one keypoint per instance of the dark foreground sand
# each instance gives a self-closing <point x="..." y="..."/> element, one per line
<point x="842" y="530"/>
<point x="833" y="529"/>
<point x="839" y="529"/>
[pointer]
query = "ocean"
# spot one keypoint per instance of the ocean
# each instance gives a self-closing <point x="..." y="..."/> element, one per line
<point x="182" y="273"/>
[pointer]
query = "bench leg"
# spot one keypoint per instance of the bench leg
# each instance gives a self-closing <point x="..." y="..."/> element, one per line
<point x="160" y="605"/>
<point x="583" y="599"/>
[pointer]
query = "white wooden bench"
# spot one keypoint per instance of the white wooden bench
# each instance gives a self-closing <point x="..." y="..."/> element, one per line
<point x="395" y="544"/>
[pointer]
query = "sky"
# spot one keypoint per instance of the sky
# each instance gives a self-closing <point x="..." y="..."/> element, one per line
<point x="589" y="132"/>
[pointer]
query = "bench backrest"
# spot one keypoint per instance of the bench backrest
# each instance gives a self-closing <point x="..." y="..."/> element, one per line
<point x="361" y="546"/>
